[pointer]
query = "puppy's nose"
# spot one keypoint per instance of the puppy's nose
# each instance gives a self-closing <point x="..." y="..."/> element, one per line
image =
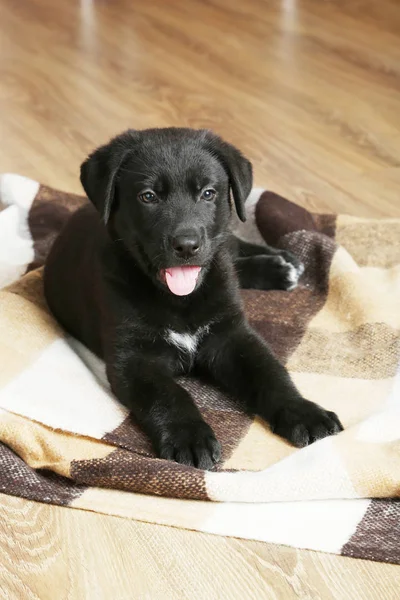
<point x="186" y="244"/>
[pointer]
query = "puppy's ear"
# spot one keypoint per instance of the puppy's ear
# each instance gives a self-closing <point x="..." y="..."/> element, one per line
<point x="100" y="170"/>
<point x="237" y="167"/>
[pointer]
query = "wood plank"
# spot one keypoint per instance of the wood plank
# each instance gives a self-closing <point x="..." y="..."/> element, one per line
<point x="49" y="552"/>
<point x="308" y="89"/>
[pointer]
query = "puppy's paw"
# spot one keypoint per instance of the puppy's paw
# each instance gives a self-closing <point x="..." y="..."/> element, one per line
<point x="275" y="272"/>
<point x="284" y="273"/>
<point x="278" y="271"/>
<point x="304" y="422"/>
<point x="292" y="269"/>
<point x="190" y="443"/>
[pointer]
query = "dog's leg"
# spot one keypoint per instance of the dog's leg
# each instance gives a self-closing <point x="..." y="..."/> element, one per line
<point x="165" y="411"/>
<point x="242" y="364"/>
<point x="264" y="267"/>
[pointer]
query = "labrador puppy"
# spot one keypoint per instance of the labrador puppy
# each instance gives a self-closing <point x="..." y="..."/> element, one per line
<point x="147" y="277"/>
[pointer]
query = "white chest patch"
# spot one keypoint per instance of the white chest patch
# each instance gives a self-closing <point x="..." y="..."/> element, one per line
<point x="186" y="341"/>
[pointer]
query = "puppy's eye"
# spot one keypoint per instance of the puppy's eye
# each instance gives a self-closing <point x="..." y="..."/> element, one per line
<point x="208" y="194"/>
<point x="148" y="197"/>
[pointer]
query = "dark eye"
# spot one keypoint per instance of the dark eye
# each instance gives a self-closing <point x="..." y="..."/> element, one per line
<point x="148" y="197"/>
<point x="208" y="194"/>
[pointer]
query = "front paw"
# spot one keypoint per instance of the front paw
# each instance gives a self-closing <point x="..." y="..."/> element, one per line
<point x="304" y="422"/>
<point x="190" y="443"/>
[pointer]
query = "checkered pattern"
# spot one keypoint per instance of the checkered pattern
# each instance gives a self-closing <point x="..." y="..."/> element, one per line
<point x="65" y="440"/>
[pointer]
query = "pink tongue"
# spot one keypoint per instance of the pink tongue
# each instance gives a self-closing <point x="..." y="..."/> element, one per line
<point x="181" y="281"/>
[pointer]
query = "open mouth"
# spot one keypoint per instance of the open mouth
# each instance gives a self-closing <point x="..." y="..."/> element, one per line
<point x="181" y="281"/>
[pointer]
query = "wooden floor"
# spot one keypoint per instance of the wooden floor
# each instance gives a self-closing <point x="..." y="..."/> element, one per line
<point x="54" y="553"/>
<point x="310" y="90"/>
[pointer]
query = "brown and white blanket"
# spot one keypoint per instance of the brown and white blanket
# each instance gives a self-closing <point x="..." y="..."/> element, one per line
<point x="65" y="440"/>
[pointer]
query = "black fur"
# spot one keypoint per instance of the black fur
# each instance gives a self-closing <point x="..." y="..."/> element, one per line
<point x="102" y="282"/>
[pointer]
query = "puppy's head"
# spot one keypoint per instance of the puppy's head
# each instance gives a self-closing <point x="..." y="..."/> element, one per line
<point x="166" y="194"/>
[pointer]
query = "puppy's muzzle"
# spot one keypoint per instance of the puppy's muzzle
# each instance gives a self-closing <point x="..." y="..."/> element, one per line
<point x="186" y="244"/>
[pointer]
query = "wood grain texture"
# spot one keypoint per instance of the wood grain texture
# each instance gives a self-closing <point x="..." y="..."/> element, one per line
<point x="49" y="552"/>
<point x="309" y="90"/>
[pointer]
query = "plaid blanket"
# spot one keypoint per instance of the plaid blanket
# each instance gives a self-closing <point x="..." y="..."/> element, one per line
<point x="65" y="440"/>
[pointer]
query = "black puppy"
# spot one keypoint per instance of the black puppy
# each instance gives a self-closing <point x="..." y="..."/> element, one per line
<point x="147" y="281"/>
